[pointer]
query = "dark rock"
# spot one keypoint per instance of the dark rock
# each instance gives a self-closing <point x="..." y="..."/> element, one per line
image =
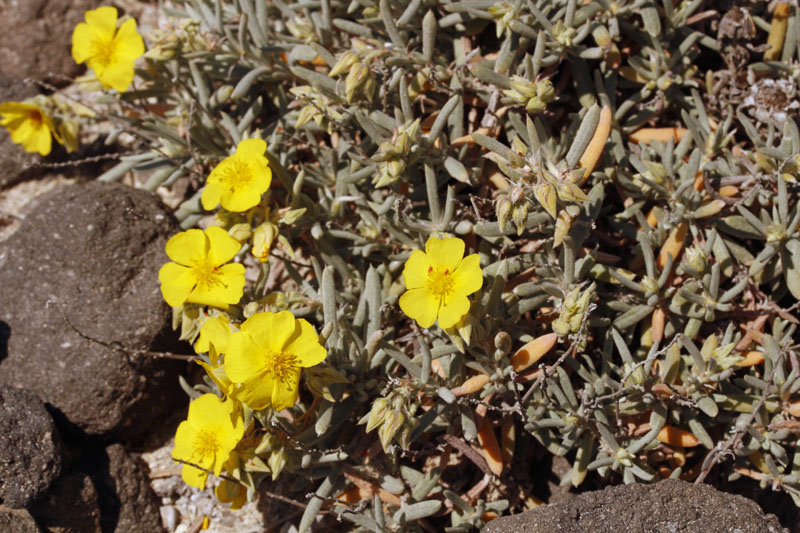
<point x="127" y="501"/>
<point x="80" y="295"/>
<point x="30" y="448"/>
<point x="17" y="521"/>
<point x="37" y="38"/>
<point x="670" y="506"/>
<point x="72" y="506"/>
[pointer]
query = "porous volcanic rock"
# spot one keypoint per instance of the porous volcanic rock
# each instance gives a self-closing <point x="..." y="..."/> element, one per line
<point x="80" y="295"/>
<point x="17" y="521"/>
<point x="37" y="38"/>
<point x="30" y="448"/>
<point x="127" y="502"/>
<point x="670" y="506"/>
<point x="71" y="506"/>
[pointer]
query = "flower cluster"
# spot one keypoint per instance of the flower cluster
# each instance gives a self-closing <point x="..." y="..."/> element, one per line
<point x="254" y="354"/>
<point x="110" y="51"/>
<point x="253" y="359"/>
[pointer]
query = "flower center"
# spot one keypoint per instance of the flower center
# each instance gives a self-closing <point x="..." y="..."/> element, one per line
<point x="440" y="281"/>
<point x="206" y="274"/>
<point x="281" y="366"/>
<point x="35" y="117"/>
<point x="104" y="50"/>
<point x="235" y="174"/>
<point x="205" y="444"/>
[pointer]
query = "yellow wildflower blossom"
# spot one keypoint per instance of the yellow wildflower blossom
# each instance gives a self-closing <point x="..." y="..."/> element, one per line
<point x="239" y="180"/>
<point x="109" y="51"/>
<point x="207" y="437"/>
<point x="438" y="282"/>
<point x="28" y="125"/>
<point x="266" y="357"/>
<point x="199" y="273"/>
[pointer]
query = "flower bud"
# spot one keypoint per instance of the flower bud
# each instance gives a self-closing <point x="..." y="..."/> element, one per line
<point x="277" y="461"/>
<point x="377" y="414"/>
<point x="344" y="64"/>
<point x="241" y="232"/>
<point x="391" y="425"/>
<point x="263" y="237"/>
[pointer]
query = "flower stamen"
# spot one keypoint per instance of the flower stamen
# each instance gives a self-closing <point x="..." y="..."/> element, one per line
<point x="206" y="444"/>
<point x="440" y="281"/>
<point x="235" y="175"/>
<point x="103" y="50"/>
<point x="281" y="366"/>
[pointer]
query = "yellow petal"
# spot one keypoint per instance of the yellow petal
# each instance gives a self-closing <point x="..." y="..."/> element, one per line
<point x="127" y="42"/>
<point x="82" y="37"/>
<point x="211" y="195"/>
<point x="216" y="330"/>
<point x="305" y="345"/>
<point x="420" y="305"/>
<point x="415" y="273"/>
<point x="194" y="477"/>
<point x="257" y="393"/>
<point x="41" y="141"/>
<point x="284" y="394"/>
<point x="245" y="358"/>
<point x="452" y="310"/>
<point x="103" y="19"/>
<point x="221" y="246"/>
<point x="208" y="411"/>
<point x="468" y="277"/>
<point x="250" y="148"/>
<point x="15" y="109"/>
<point x="233" y="493"/>
<point x="242" y="199"/>
<point x="445" y="253"/>
<point x="23" y="131"/>
<point x="271" y="331"/>
<point x="177" y="283"/>
<point x="117" y="75"/>
<point x="184" y="439"/>
<point x="187" y="247"/>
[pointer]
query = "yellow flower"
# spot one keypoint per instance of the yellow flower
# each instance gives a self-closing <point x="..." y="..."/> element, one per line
<point x="239" y="180"/>
<point x="197" y="275"/>
<point x="28" y="125"/>
<point x="108" y="51"/>
<point x="438" y="282"/>
<point x="266" y="357"/>
<point x="207" y="437"/>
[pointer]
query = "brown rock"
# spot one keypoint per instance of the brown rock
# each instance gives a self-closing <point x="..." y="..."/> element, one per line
<point x="72" y="506"/>
<point x="670" y="506"/>
<point x="80" y="295"/>
<point x="127" y="501"/>
<point x="37" y="38"/>
<point x="30" y="448"/>
<point x="17" y="521"/>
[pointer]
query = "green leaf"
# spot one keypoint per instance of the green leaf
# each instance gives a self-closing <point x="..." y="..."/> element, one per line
<point x="791" y="267"/>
